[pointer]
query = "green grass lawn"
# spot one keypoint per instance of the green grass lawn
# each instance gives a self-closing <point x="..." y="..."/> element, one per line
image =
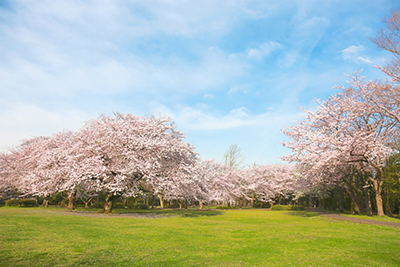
<point x="54" y="237"/>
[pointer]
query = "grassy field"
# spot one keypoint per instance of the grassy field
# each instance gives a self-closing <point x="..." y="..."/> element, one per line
<point x="54" y="237"/>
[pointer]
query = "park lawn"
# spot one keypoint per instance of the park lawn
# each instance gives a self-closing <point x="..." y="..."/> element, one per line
<point x="53" y="237"/>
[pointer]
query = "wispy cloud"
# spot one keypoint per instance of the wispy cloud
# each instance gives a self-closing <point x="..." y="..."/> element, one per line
<point x="353" y="54"/>
<point x="242" y="88"/>
<point x="264" y="50"/>
<point x="218" y="68"/>
<point x="239" y="113"/>
<point x="200" y="120"/>
<point x="24" y="121"/>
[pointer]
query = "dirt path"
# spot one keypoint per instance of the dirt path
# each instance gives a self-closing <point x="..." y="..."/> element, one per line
<point x="340" y="217"/>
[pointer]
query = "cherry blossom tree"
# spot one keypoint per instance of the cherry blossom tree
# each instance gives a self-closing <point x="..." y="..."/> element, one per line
<point x="205" y="174"/>
<point x="266" y="182"/>
<point x="8" y="178"/>
<point x="345" y="129"/>
<point x="226" y="184"/>
<point x="174" y="184"/>
<point x="45" y="165"/>
<point x="109" y="154"/>
<point x="389" y="39"/>
<point x="127" y="149"/>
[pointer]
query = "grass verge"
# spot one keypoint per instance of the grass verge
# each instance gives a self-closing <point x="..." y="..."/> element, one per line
<point x="54" y="237"/>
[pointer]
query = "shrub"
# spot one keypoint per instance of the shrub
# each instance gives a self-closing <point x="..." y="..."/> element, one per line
<point x="12" y="202"/>
<point x="225" y="207"/>
<point x="98" y="205"/>
<point x="280" y="207"/>
<point x="141" y="207"/>
<point x="287" y="207"/>
<point x="260" y="204"/>
<point x="28" y="202"/>
<point x="297" y="207"/>
<point x="118" y="205"/>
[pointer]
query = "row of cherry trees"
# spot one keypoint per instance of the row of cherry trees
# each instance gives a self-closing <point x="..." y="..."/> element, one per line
<point x="109" y="154"/>
<point x="127" y="155"/>
<point x="350" y="139"/>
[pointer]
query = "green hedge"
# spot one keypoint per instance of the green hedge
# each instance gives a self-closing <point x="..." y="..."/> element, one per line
<point x="287" y="207"/>
<point x="225" y="207"/>
<point x="22" y="202"/>
<point x="98" y="205"/>
<point x="28" y="202"/>
<point x="119" y="205"/>
<point x="12" y="202"/>
<point x="141" y="207"/>
<point x="297" y="207"/>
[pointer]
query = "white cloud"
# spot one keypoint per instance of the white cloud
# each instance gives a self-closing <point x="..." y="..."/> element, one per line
<point x="264" y="50"/>
<point x="200" y="120"/>
<point x="209" y="96"/>
<point x="22" y="121"/>
<point x="239" y="113"/>
<point x="65" y="61"/>
<point x="22" y="78"/>
<point x="242" y="88"/>
<point x="127" y="19"/>
<point x="352" y="54"/>
<point x="66" y="48"/>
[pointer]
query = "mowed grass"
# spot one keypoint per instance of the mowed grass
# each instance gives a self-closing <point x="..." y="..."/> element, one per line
<point x="53" y="237"/>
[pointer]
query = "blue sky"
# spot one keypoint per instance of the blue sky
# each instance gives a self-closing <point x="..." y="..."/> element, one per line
<point x="227" y="72"/>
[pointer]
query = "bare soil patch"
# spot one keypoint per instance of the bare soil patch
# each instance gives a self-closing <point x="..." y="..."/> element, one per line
<point x="339" y="217"/>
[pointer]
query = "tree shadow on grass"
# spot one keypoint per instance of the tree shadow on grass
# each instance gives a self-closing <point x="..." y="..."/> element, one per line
<point x="303" y="213"/>
<point x="171" y="212"/>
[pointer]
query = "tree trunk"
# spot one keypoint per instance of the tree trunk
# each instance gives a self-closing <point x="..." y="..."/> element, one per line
<point x="379" y="205"/>
<point x="368" y="202"/>
<point x="201" y="204"/>
<point x="87" y="202"/>
<point x="388" y="206"/>
<point x="161" y="200"/>
<point x="71" y="200"/>
<point x="109" y="203"/>
<point x="180" y="205"/>
<point x="152" y="201"/>
<point x="340" y="205"/>
<point x="357" y="210"/>
<point x="45" y="203"/>
<point x="398" y="200"/>
<point x="378" y="195"/>
<point x="351" y="189"/>
<point x="339" y="200"/>
<point x="252" y="200"/>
